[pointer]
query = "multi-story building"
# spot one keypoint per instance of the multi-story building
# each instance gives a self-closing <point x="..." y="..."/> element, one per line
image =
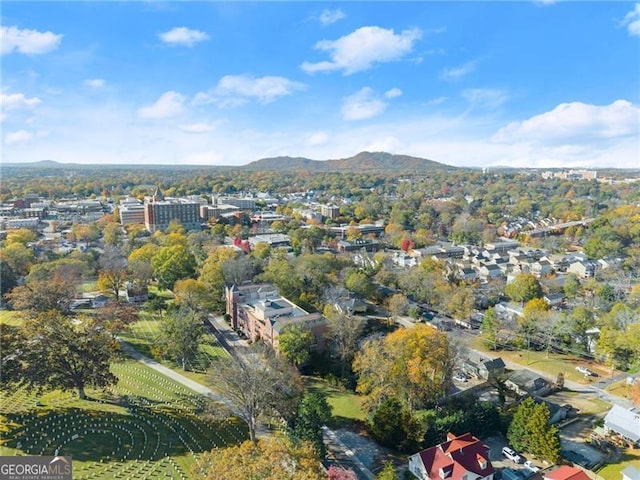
<point x="160" y="211"/>
<point x="212" y="212"/>
<point x="459" y="458"/>
<point x="330" y="211"/>
<point x="245" y="203"/>
<point x="261" y="313"/>
<point x="131" y="211"/>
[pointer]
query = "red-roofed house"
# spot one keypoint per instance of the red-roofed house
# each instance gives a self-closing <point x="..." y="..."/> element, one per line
<point x="459" y="458"/>
<point x="566" y="472"/>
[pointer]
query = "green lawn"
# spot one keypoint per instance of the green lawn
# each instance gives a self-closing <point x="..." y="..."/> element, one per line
<point x="612" y="472"/>
<point x="345" y="405"/>
<point x="89" y="286"/>
<point x="551" y="365"/>
<point x="148" y="426"/>
<point x="9" y="317"/>
<point x="144" y="334"/>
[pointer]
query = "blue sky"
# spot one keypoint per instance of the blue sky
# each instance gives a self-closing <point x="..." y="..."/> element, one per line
<point x="522" y="83"/>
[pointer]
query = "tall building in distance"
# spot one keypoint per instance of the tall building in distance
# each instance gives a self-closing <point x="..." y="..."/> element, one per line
<point x="131" y="211"/>
<point x="160" y="211"/>
<point x="330" y="211"/>
<point x="245" y="203"/>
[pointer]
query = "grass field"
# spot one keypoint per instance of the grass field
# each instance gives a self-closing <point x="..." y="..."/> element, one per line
<point x="551" y="365"/>
<point x="621" y="389"/>
<point x="612" y="472"/>
<point x="9" y="317"/>
<point x="345" y="405"/>
<point x="146" y="427"/>
<point x="144" y="334"/>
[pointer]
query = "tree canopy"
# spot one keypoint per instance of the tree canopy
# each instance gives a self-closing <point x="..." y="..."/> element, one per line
<point x="55" y="352"/>
<point x="267" y="459"/>
<point x="414" y="365"/>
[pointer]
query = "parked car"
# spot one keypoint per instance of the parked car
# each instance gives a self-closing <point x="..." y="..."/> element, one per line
<point x="511" y="455"/>
<point x="530" y="466"/>
<point x="585" y="371"/>
<point x="460" y="377"/>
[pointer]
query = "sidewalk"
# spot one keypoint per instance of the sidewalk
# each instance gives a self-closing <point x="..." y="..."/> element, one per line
<point x="187" y="382"/>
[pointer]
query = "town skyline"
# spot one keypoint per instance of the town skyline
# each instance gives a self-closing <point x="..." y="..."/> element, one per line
<point x="523" y="84"/>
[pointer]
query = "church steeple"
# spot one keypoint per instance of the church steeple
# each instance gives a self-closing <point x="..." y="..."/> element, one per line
<point x="157" y="194"/>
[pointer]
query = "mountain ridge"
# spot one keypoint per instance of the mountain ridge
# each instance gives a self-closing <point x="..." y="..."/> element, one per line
<point x="361" y="162"/>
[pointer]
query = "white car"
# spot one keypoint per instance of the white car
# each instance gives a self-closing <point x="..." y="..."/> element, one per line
<point x="584" y="370"/>
<point x="511" y="455"/>
<point x="529" y="465"/>
<point x="460" y="377"/>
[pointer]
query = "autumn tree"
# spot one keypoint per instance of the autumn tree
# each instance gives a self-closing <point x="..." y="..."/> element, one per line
<point x="55" y="352"/>
<point x="271" y="458"/>
<point x="266" y="386"/>
<point x="340" y="473"/>
<point x="113" y="272"/>
<point x="115" y="317"/>
<point x="523" y="288"/>
<point x="581" y="320"/>
<point x="180" y="334"/>
<point x="19" y="257"/>
<point x="112" y="233"/>
<point x="172" y="263"/>
<point x="212" y="276"/>
<point x="280" y="272"/>
<point x="22" y="236"/>
<point x="294" y="343"/>
<point x="343" y="333"/>
<point x="413" y="365"/>
<point x="56" y="293"/>
<point x="359" y="283"/>
<point x="388" y="472"/>
<point x="397" y="305"/>
<point x="190" y="293"/>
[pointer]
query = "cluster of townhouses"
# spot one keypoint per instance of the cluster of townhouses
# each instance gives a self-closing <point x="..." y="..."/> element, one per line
<point x="500" y="260"/>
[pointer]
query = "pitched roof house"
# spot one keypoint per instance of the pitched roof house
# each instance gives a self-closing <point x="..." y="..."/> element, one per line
<point x="624" y="422"/>
<point x="459" y="458"/>
<point x="631" y="473"/>
<point x="565" y="472"/>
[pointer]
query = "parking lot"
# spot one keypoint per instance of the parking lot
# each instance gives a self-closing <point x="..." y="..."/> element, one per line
<point x="498" y="461"/>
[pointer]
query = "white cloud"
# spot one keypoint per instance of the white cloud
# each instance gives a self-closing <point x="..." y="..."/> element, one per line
<point x="363" y="48"/>
<point x="327" y="17"/>
<point x="17" y="101"/>
<point x="484" y="97"/>
<point x="317" y="138"/>
<point x="29" y="42"/>
<point x="95" y="82"/>
<point x="632" y="21"/>
<point x="393" y="93"/>
<point x="436" y="101"/>
<point x="575" y="123"/>
<point x="456" y="73"/>
<point x="198" y="127"/>
<point x="234" y="90"/>
<point x="20" y="136"/>
<point x="170" y="104"/>
<point x="362" y="105"/>
<point x="183" y="36"/>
